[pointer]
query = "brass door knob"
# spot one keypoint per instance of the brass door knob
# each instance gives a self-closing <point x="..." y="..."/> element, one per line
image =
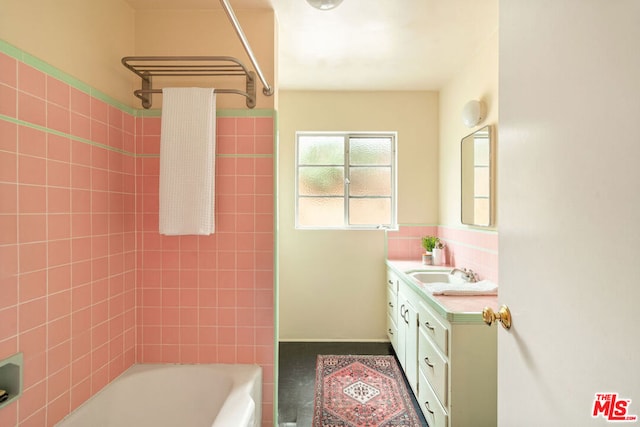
<point x="503" y="315"/>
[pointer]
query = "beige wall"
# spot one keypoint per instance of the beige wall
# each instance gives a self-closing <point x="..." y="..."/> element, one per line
<point x="478" y="79"/>
<point x="331" y="282"/>
<point x="85" y="39"/>
<point x="209" y="32"/>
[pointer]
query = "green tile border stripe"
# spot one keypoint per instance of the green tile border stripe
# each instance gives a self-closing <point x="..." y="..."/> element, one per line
<point x="471" y="229"/>
<point x="276" y="267"/>
<point x="54" y="72"/>
<point x="220" y="156"/>
<point x="417" y="225"/>
<point x="109" y="148"/>
<point x="260" y="112"/>
<point x="65" y="135"/>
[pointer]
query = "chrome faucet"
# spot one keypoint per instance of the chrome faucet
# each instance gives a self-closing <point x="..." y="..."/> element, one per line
<point x="466" y="273"/>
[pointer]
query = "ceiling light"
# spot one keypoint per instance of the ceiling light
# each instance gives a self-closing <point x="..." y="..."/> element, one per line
<point x="324" y="4"/>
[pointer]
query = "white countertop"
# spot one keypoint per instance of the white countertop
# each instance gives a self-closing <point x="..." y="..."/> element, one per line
<point x="466" y="308"/>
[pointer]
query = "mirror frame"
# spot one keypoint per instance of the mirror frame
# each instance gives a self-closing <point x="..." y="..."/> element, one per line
<point x="468" y="172"/>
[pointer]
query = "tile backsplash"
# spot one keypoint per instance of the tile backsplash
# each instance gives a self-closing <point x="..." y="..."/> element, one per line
<point x="465" y="247"/>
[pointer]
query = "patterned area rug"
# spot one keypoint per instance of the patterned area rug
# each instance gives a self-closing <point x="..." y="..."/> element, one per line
<point x="354" y="391"/>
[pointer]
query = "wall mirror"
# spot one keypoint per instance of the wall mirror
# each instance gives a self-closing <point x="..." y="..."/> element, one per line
<point x="476" y="168"/>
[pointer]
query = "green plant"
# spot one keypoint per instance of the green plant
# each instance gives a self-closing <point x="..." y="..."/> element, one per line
<point x="429" y="242"/>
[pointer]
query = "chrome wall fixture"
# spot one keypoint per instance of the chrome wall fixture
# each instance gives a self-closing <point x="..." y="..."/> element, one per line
<point x="147" y="67"/>
<point x="267" y="89"/>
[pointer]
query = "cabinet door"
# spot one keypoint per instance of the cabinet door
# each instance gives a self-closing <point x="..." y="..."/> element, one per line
<point x="408" y="339"/>
<point x="401" y="348"/>
<point x="411" y="346"/>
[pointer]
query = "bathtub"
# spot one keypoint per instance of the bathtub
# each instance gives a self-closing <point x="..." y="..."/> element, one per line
<point x="175" y="395"/>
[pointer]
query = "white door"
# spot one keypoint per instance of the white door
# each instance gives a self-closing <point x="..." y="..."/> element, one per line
<point x="569" y="209"/>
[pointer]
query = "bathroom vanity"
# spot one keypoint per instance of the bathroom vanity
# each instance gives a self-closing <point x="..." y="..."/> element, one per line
<point x="448" y="353"/>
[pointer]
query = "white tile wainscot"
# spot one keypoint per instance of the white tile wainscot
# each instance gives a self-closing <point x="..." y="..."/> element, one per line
<point x="450" y="358"/>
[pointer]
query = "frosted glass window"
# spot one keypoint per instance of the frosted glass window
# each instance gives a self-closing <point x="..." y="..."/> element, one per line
<point x="321" y="212"/>
<point x="321" y="181"/>
<point x="325" y="150"/>
<point x="369" y="211"/>
<point x="345" y="180"/>
<point x="370" y="181"/>
<point x="370" y="151"/>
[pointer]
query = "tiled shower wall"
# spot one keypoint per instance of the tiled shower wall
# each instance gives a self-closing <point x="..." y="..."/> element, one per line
<point x="464" y="248"/>
<point x="67" y="241"/>
<point x="210" y="299"/>
<point x="87" y="285"/>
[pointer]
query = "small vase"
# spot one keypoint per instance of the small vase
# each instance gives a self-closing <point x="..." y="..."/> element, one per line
<point x="427" y="258"/>
<point x="438" y="256"/>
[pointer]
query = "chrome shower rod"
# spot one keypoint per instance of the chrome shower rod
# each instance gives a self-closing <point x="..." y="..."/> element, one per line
<point x="267" y="89"/>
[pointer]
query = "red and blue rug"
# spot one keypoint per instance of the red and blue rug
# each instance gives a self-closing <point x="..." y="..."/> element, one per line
<point x="358" y="391"/>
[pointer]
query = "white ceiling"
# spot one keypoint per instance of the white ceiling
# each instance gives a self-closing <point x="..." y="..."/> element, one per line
<point x="368" y="44"/>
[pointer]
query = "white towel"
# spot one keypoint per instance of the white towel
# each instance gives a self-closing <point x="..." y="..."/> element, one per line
<point x="483" y="287"/>
<point x="187" y="161"/>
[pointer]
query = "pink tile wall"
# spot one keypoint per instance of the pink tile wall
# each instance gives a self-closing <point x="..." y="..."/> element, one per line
<point x="406" y="243"/>
<point x="474" y="249"/>
<point x="465" y="248"/>
<point x="67" y="242"/>
<point x="210" y="299"/>
<point x="74" y="203"/>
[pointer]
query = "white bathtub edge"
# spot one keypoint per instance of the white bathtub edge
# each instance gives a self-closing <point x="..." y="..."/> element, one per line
<point x="243" y="404"/>
<point x="245" y="398"/>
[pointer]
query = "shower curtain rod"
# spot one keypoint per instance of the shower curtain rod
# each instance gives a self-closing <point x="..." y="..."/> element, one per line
<point x="267" y="89"/>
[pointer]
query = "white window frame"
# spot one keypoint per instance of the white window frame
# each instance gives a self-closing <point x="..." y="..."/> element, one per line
<point x="394" y="179"/>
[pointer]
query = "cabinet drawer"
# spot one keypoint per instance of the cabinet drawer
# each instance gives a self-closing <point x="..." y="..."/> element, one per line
<point x="392" y="304"/>
<point x="392" y="332"/>
<point x="434" y="413"/>
<point x="392" y="281"/>
<point x="433" y="328"/>
<point x="433" y="366"/>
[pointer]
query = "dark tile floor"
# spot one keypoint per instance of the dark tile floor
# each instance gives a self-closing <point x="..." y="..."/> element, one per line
<point x="297" y="371"/>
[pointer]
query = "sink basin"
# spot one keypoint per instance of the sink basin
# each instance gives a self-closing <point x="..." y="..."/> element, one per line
<point x="436" y="277"/>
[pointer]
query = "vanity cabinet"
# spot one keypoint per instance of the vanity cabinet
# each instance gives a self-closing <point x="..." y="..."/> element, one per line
<point x="458" y="371"/>
<point x="449" y="358"/>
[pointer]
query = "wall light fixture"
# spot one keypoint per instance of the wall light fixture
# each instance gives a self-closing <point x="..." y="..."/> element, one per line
<point x="473" y="113"/>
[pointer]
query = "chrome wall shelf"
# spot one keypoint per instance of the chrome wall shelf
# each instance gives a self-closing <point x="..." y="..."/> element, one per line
<point x="148" y="67"/>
